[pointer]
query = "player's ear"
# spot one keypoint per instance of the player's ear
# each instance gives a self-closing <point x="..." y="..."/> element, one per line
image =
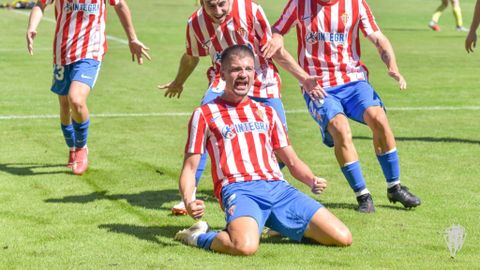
<point x="221" y="74"/>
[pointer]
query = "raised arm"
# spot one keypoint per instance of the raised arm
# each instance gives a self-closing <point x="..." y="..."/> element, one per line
<point x="33" y="22"/>
<point x="194" y="208"/>
<point x="175" y="87"/>
<point x="388" y="57"/>
<point x="471" y="40"/>
<point x="300" y="170"/>
<point x="136" y="47"/>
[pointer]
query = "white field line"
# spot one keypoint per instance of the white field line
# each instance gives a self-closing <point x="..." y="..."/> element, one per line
<point x="175" y="114"/>
<point x="48" y="19"/>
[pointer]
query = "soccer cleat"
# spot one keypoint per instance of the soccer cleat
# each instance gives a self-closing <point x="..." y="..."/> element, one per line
<point x="71" y="158"/>
<point x="179" y="209"/>
<point x="365" y="203"/>
<point x="399" y="193"/>
<point x="434" y="26"/>
<point x="189" y="236"/>
<point x="461" y="29"/>
<point x="80" y="165"/>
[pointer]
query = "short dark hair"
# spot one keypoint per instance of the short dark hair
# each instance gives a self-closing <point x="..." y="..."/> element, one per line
<point x="239" y="50"/>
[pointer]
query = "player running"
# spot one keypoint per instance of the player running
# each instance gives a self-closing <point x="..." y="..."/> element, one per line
<point x="457" y="13"/>
<point x="329" y="47"/>
<point x="78" y="49"/>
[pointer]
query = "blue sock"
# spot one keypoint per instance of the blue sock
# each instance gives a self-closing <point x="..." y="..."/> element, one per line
<point x="201" y="168"/>
<point x="353" y="173"/>
<point x="81" y="133"/>
<point x="69" y="135"/>
<point x="390" y="165"/>
<point x="205" y="240"/>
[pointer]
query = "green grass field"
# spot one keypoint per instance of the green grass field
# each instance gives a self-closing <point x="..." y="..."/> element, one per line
<point x="117" y="215"/>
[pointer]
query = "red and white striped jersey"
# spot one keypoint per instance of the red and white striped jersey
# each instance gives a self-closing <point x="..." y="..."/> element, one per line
<point x="246" y="24"/>
<point x="80" y="30"/>
<point x="328" y="37"/>
<point x="240" y="139"/>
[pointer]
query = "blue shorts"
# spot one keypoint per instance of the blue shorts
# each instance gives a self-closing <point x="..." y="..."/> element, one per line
<point x="275" y="204"/>
<point x="275" y="103"/>
<point x="85" y="71"/>
<point x="351" y="99"/>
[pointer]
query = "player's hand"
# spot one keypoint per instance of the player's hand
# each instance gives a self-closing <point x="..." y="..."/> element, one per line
<point x="195" y="209"/>
<point x="471" y="41"/>
<point x="399" y="78"/>
<point x="138" y="50"/>
<point x="171" y="89"/>
<point x="318" y="185"/>
<point x="31" y="34"/>
<point x="313" y="89"/>
<point x="272" y="46"/>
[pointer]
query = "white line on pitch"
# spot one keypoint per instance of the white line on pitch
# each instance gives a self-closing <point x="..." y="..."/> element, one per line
<point x="166" y="114"/>
<point x="25" y="13"/>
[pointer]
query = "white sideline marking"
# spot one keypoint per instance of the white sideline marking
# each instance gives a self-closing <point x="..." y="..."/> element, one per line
<point x="44" y="18"/>
<point x="167" y="114"/>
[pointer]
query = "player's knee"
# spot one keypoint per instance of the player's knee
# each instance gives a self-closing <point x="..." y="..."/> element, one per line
<point x="344" y="238"/>
<point x="377" y="121"/>
<point x="340" y="131"/>
<point x="245" y="249"/>
<point x="77" y="104"/>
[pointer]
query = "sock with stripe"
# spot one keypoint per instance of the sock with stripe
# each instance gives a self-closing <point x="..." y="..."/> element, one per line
<point x="353" y="172"/>
<point x="81" y="133"/>
<point x="390" y="164"/>
<point x="68" y="134"/>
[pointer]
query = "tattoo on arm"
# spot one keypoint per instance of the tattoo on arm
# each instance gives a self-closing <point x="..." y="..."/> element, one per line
<point x="383" y="53"/>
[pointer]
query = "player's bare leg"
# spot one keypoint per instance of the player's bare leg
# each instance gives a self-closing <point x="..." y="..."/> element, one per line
<point x="66" y="121"/>
<point x="327" y="229"/>
<point x="339" y="128"/>
<point x="241" y="238"/>
<point x="347" y="158"/>
<point x="385" y="148"/>
<point x="77" y="98"/>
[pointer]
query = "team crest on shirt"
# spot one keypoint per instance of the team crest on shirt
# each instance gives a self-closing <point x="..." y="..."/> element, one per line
<point x="345" y="18"/>
<point x="260" y="114"/>
<point x="242" y="32"/>
<point x="228" y="132"/>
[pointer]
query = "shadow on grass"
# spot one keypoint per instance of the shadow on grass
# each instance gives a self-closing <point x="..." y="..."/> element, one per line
<point x="340" y="206"/>
<point x="397" y="207"/>
<point x="28" y="169"/>
<point x="151" y="199"/>
<point x="148" y="233"/>
<point x="427" y="139"/>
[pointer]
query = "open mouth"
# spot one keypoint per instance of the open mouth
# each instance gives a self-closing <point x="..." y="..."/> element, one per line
<point x="241" y="84"/>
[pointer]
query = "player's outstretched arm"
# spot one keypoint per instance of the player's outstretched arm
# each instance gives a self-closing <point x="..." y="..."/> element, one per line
<point x="175" y="87"/>
<point x="194" y="208"/>
<point x="137" y="48"/>
<point x="300" y="170"/>
<point x="387" y="55"/>
<point x="33" y="21"/>
<point x="471" y="39"/>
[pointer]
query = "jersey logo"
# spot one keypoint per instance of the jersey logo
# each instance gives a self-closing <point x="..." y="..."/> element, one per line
<point x="242" y="32"/>
<point x="332" y="37"/>
<point x="228" y="132"/>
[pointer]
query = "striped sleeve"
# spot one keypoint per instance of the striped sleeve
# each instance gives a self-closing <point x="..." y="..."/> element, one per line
<point x="288" y="19"/>
<point x="279" y="133"/>
<point x="367" y="20"/>
<point x="262" y="26"/>
<point x="193" y="44"/>
<point x="197" y="128"/>
<point x="113" y="2"/>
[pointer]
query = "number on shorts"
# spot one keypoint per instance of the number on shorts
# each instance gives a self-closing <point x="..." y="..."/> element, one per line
<point x="59" y="72"/>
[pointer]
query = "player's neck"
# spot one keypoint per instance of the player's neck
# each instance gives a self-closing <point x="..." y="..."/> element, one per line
<point x="232" y="98"/>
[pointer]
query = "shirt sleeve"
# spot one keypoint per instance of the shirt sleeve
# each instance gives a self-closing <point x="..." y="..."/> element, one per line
<point x="46" y="2"/>
<point x="197" y="130"/>
<point x="279" y="132"/>
<point x="367" y="20"/>
<point x="262" y="26"/>
<point x="288" y="19"/>
<point x="194" y="46"/>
